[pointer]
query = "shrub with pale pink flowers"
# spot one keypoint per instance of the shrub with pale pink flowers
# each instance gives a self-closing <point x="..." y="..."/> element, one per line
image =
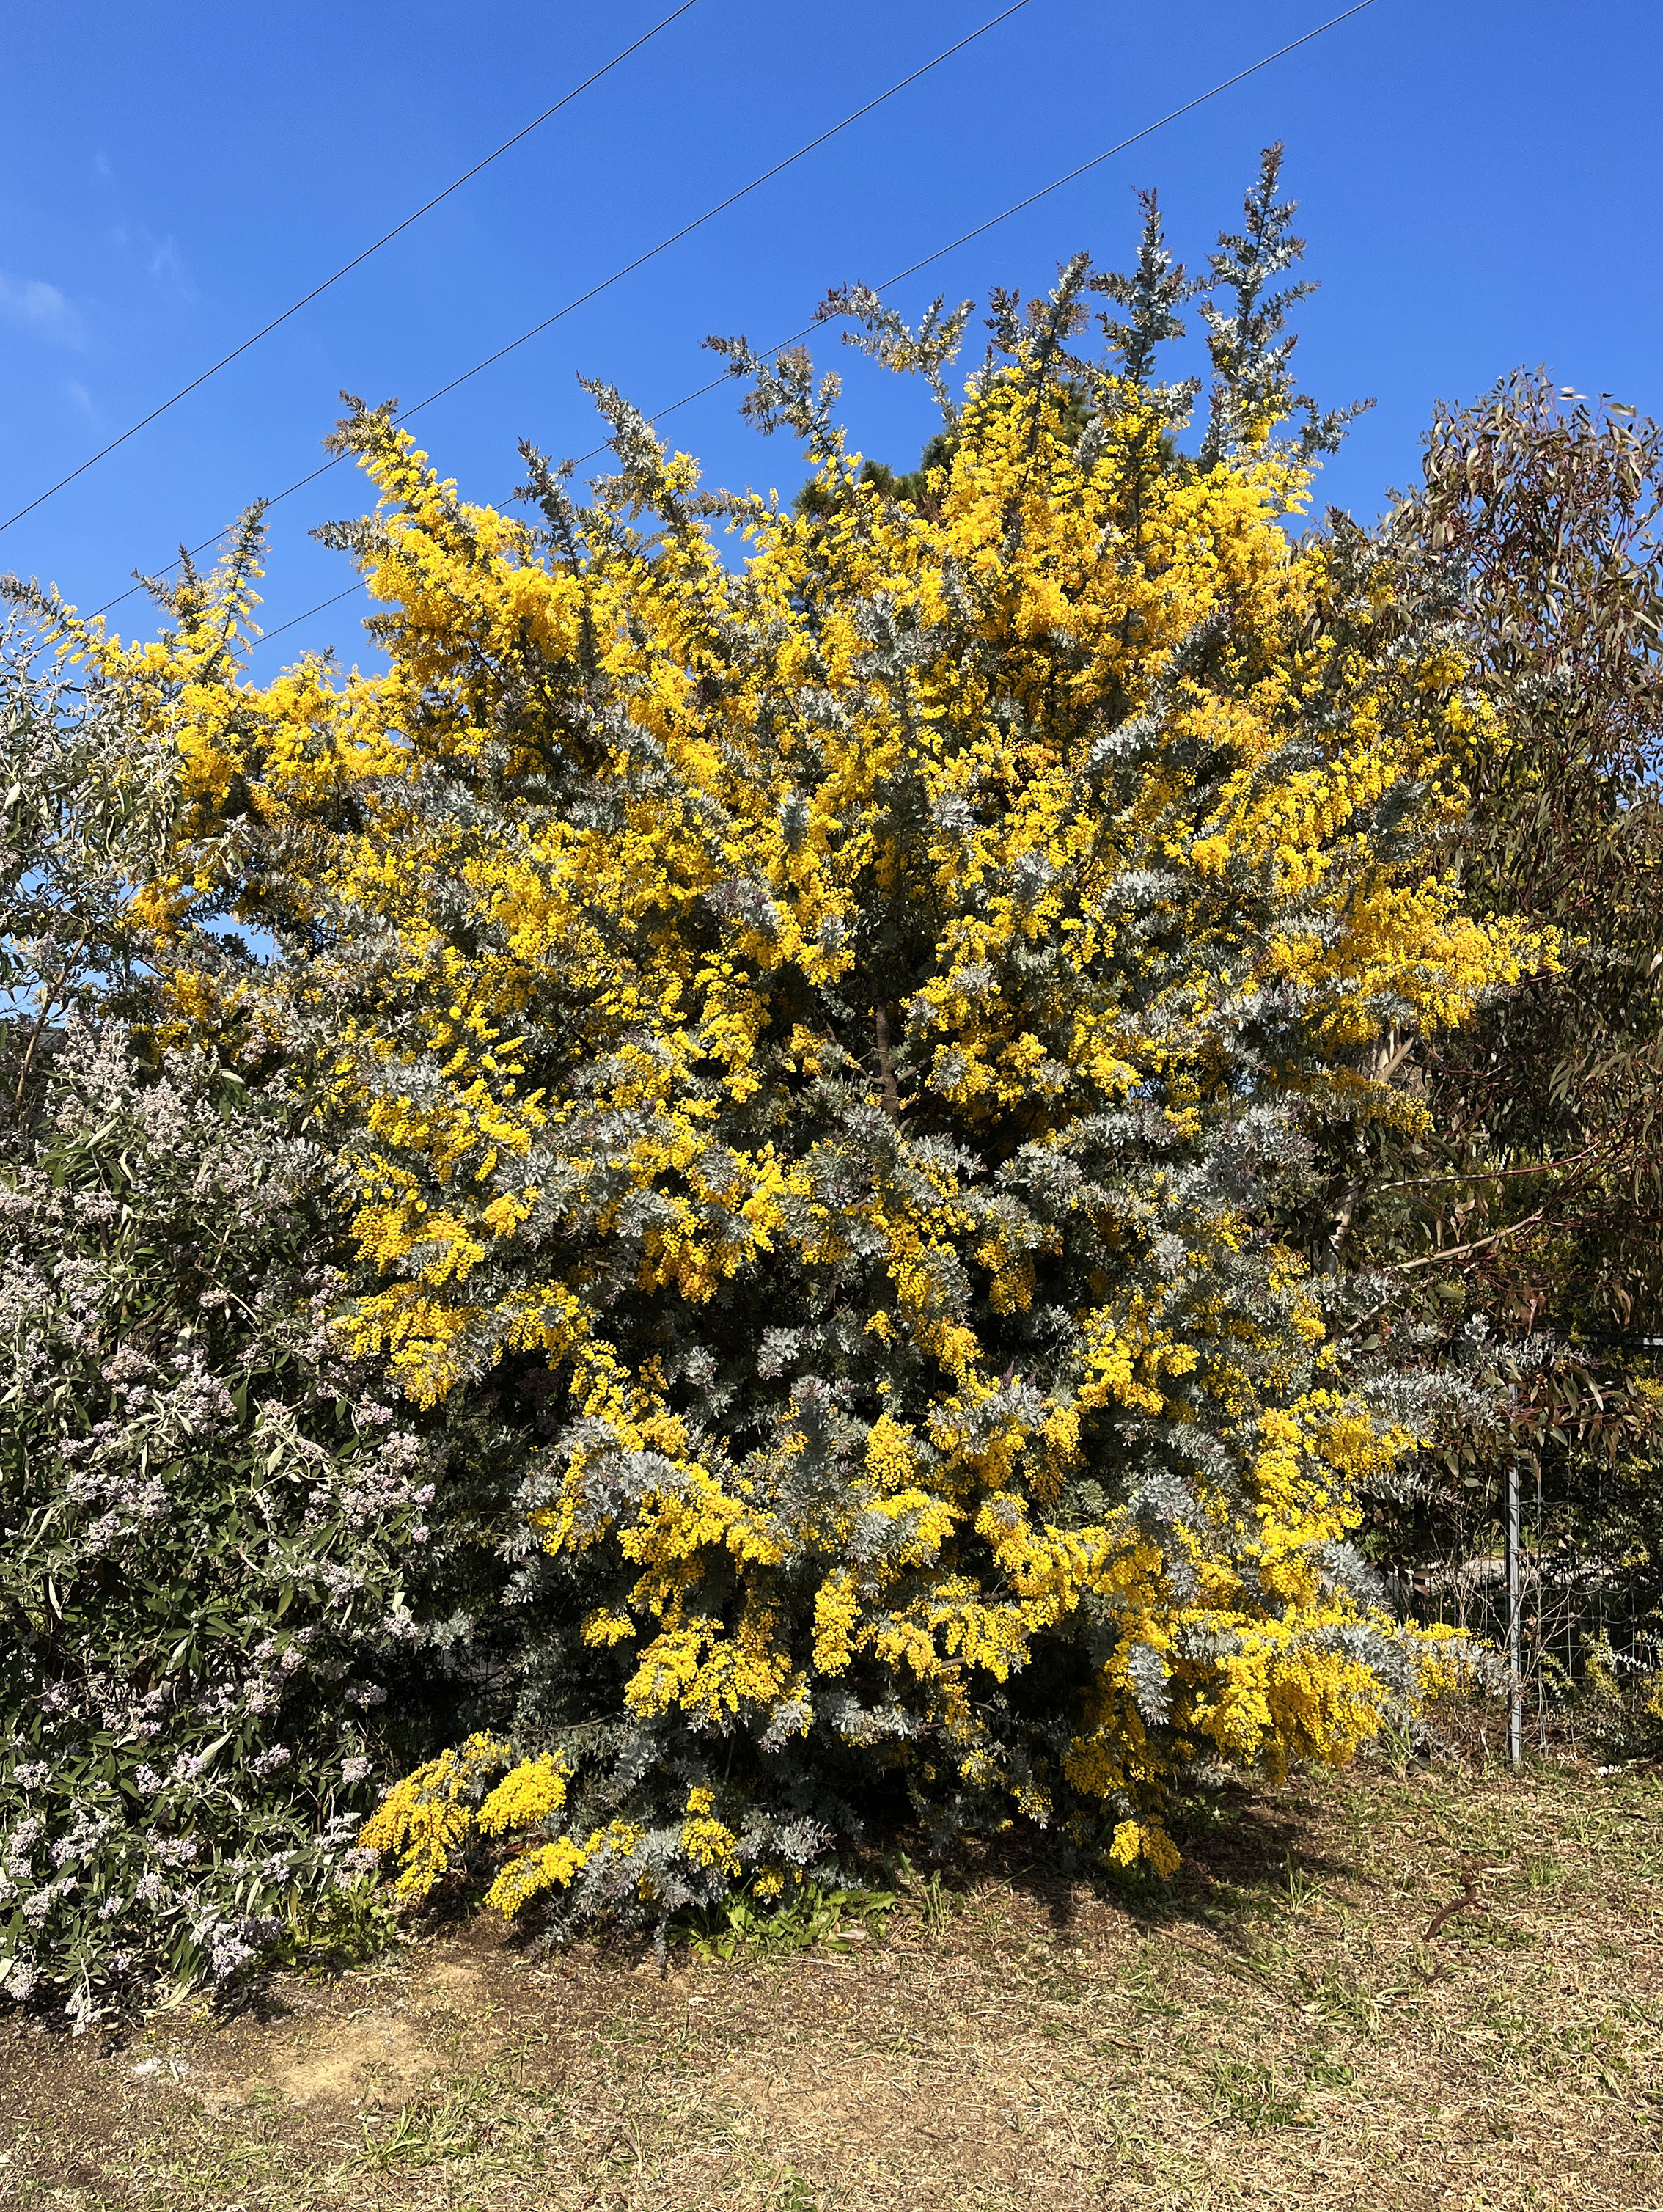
<point x="203" y="1522"/>
<point x="205" y="1517"/>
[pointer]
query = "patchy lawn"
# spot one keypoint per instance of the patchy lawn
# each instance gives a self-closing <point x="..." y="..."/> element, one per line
<point x="1276" y="2029"/>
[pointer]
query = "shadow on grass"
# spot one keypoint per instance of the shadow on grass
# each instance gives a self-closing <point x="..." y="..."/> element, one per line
<point x="1248" y="1855"/>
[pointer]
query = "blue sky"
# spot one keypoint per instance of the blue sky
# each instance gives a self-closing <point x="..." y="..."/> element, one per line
<point x="1475" y="182"/>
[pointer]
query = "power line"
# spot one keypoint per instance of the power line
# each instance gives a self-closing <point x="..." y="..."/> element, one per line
<point x="347" y="267"/>
<point x="1148" y="130"/>
<point x="1017" y="207"/>
<point x="627" y="270"/>
<point x="901" y="275"/>
<point x="322" y="607"/>
<point x="721" y="208"/>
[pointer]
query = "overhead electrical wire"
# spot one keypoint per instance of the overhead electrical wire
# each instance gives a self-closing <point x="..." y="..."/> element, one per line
<point x="901" y="275"/>
<point x="627" y="270"/>
<point x="347" y="267"/>
<point x="1015" y="208"/>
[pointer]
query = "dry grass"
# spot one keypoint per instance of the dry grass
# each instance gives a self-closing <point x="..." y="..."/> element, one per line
<point x="1275" y="2031"/>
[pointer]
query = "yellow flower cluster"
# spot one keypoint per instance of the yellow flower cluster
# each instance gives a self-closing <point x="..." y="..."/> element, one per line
<point x="427" y="1820"/>
<point x="841" y="920"/>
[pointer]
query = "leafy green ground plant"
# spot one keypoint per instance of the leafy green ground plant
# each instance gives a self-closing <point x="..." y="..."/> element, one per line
<point x="812" y="1914"/>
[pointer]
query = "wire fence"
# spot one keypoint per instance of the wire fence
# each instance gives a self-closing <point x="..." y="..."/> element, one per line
<point x="1590" y="1630"/>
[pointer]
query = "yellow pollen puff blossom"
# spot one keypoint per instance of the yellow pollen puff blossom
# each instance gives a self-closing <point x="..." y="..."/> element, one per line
<point x="841" y="1005"/>
<point x="427" y="1818"/>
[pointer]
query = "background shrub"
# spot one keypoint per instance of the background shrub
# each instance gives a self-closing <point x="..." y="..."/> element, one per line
<point x="205" y="1516"/>
<point x="204" y="1521"/>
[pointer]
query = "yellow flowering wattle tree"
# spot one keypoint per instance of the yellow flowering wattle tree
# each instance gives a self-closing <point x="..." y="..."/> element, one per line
<point x="817" y="1038"/>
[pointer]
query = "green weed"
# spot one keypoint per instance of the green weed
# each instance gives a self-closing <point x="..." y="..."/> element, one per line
<point x="1300" y="1888"/>
<point x="928" y="1897"/>
<point x="792" y="2193"/>
<point x="1248" y="2092"/>
<point x="812" y="1914"/>
<point x="1396" y="1748"/>
<point x="1345" y="2002"/>
<point x="345" y="1928"/>
<point x="419" y="2136"/>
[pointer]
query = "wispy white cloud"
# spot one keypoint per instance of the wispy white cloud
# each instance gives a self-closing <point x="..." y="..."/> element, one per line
<point x="161" y="256"/>
<point x="168" y="262"/>
<point x="40" y="307"/>
<point x="80" y="397"/>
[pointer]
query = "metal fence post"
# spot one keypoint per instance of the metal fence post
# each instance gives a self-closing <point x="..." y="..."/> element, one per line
<point x="1515" y="1678"/>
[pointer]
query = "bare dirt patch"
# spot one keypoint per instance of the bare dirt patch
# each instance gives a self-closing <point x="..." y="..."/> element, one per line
<point x="1275" y="2031"/>
<point x="369" y="2054"/>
